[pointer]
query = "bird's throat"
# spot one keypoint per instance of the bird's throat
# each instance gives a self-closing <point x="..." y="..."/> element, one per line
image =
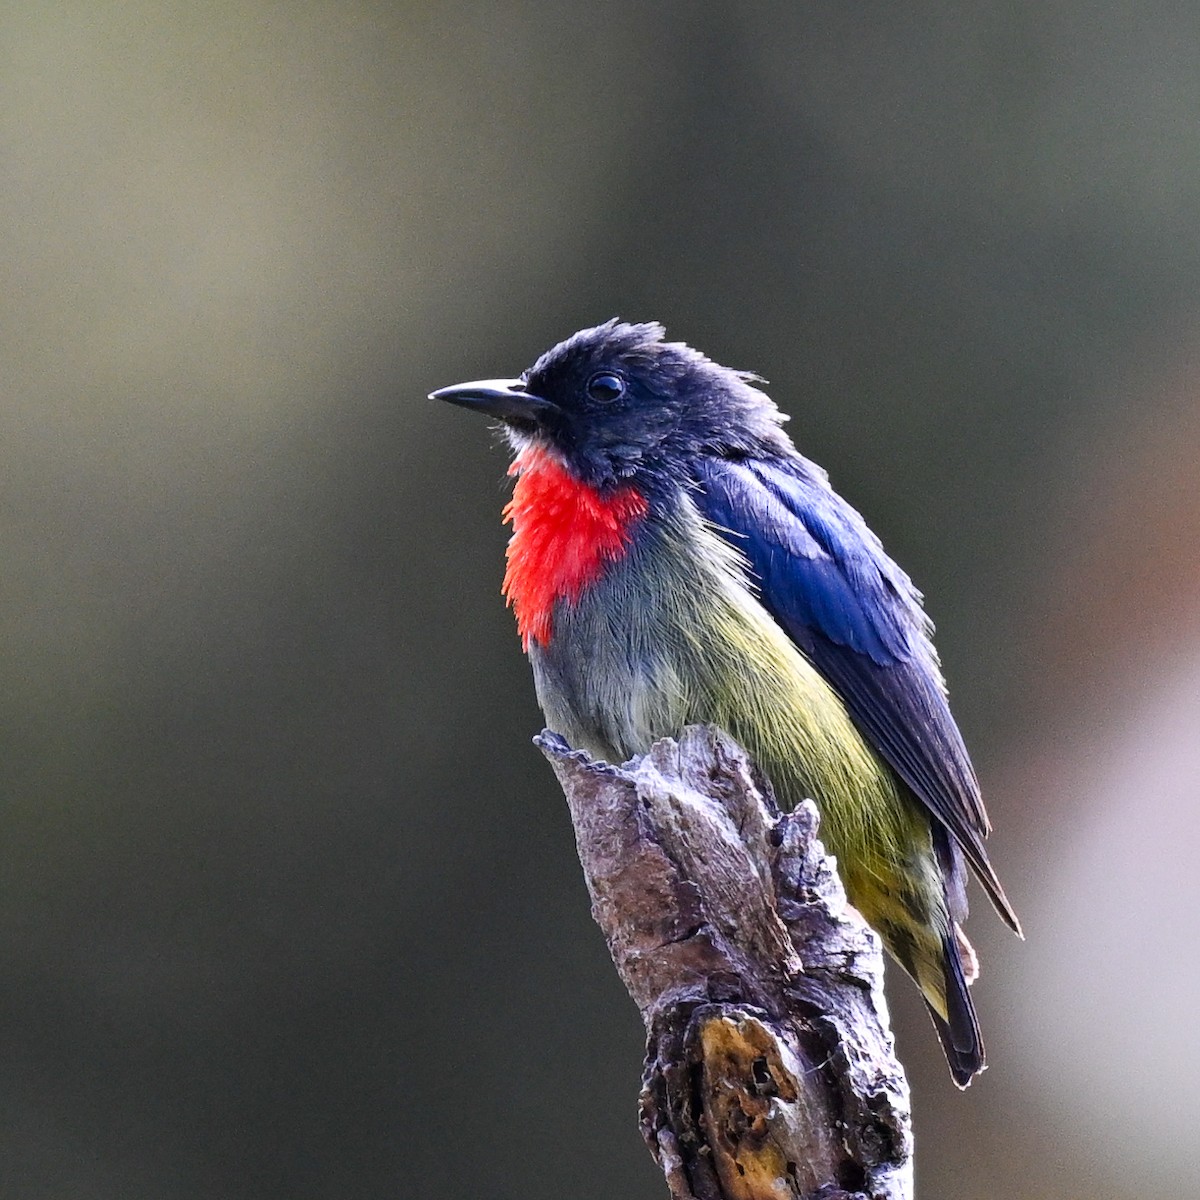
<point x="564" y="534"/>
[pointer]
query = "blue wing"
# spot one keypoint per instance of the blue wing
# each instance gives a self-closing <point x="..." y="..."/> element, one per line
<point x="825" y="578"/>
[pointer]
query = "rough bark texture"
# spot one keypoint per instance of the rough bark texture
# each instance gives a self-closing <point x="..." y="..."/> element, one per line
<point x="770" y="1070"/>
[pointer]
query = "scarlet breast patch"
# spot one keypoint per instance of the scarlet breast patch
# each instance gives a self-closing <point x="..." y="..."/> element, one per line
<point x="564" y="532"/>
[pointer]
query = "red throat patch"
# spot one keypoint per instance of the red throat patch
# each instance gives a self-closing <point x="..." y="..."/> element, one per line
<point x="563" y="534"/>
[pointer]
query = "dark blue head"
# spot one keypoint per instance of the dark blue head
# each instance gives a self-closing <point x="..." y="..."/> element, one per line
<point x="618" y="403"/>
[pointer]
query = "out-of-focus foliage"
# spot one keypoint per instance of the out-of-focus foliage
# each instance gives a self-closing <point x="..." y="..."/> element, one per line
<point x="288" y="903"/>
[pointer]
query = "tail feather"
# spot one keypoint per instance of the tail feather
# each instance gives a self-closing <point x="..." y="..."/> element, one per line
<point x="958" y="1031"/>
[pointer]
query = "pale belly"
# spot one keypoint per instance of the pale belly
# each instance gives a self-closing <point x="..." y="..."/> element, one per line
<point x="669" y="638"/>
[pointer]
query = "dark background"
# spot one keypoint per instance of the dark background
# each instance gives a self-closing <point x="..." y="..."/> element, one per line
<point x="288" y="902"/>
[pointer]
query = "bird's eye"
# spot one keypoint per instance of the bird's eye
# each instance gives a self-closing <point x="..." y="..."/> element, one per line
<point x="605" y="386"/>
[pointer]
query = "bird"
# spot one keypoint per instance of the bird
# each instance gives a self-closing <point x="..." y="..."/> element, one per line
<point x="674" y="559"/>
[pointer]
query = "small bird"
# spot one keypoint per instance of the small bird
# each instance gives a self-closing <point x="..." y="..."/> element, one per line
<point x="675" y="560"/>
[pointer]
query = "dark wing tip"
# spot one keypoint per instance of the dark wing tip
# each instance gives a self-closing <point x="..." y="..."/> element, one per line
<point x="978" y="859"/>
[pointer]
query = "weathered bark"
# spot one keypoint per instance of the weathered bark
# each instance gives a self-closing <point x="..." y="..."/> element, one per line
<point x="770" y="1070"/>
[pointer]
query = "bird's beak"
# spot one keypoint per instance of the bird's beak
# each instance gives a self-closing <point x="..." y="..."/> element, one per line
<point x="506" y="399"/>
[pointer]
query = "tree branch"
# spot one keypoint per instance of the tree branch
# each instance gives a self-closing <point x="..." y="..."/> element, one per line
<point x="770" y="1072"/>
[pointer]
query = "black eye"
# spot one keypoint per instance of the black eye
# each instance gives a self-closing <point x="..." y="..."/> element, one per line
<point x="605" y="386"/>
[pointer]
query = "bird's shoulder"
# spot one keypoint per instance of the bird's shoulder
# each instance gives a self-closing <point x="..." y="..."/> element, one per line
<point x="814" y="557"/>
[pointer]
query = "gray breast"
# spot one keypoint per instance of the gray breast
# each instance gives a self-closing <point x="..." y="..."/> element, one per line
<point x="612" y="679"/>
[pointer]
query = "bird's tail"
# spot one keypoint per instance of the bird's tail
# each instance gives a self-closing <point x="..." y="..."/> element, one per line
<point x="957" y="1027"/>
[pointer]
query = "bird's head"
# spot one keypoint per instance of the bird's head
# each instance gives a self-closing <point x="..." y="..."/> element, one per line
<point x="617" y="403"/>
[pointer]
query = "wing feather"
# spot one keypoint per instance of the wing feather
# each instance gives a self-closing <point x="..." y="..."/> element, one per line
<point x="826" y="579"/>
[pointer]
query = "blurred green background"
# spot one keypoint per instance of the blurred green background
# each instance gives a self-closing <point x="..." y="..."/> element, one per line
<point x="288" y="902"/>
